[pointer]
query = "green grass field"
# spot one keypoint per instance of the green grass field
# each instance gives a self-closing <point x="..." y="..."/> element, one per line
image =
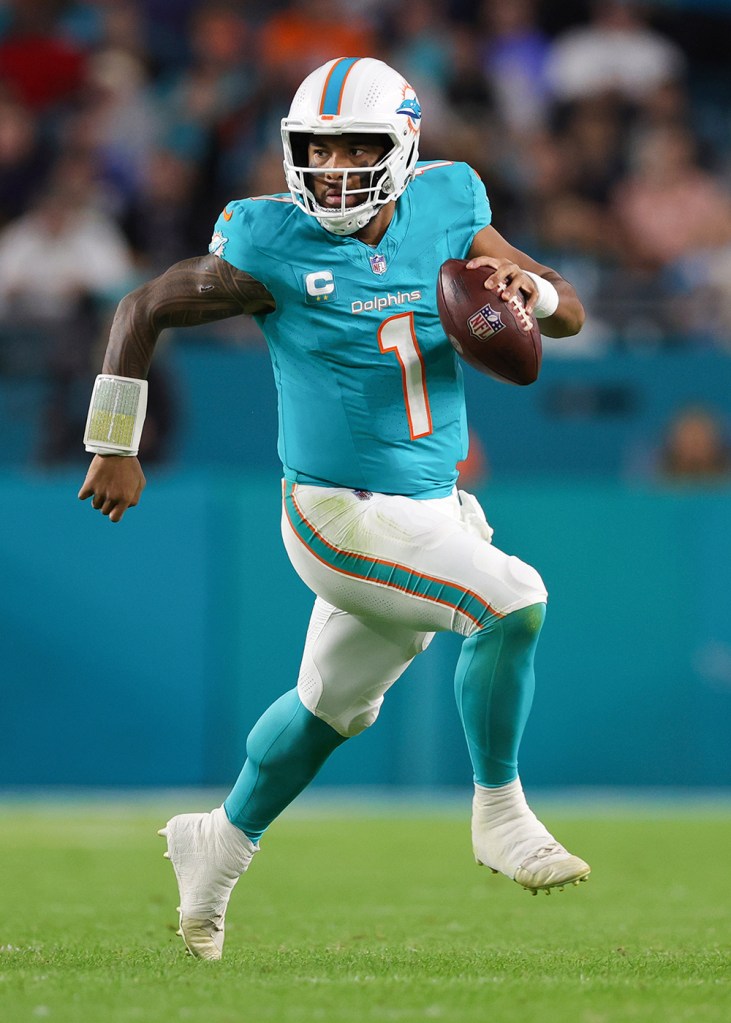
<point x="363" y="916"/>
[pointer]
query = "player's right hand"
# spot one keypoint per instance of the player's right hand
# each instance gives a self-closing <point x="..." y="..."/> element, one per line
<point x="114" y="484"/>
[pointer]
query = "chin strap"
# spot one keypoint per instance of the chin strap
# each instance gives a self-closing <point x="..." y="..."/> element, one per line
<point x="343" y="226"/>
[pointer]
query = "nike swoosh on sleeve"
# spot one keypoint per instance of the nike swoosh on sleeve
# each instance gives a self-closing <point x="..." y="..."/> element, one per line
<point x="227" y="214"/>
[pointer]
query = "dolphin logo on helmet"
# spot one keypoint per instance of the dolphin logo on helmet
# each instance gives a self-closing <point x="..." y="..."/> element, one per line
<point x="410" y="106"/>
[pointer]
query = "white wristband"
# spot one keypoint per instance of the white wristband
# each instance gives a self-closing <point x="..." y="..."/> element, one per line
<point x="548" y="299"/>
<point x="116" y="415"/>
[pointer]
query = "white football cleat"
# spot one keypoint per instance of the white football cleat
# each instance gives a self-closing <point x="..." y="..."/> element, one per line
<point x="208" y="855"/>
<point x="508" y="837"/>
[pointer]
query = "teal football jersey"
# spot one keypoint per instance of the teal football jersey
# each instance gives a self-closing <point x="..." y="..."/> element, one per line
<point x="370" y="390"/>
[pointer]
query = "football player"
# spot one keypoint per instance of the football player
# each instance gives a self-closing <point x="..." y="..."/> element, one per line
<point x="340" y="275"/>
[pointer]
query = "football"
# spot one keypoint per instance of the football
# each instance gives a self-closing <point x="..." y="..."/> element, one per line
<point x="496" y="337"/>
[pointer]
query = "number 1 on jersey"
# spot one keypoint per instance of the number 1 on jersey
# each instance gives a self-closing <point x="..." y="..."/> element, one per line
<point x="397" y="334"/>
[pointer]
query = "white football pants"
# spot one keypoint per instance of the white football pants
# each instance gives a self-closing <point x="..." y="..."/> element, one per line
<point x="390" y="571"/>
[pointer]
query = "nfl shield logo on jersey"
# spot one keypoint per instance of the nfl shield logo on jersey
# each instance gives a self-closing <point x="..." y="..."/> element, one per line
<point x="378" y="264"/>
<point x="485" y="323"/>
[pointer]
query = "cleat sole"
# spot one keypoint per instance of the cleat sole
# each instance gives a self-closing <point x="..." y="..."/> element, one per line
<point x="556" y="887"/>
<point x="559" y="886"/>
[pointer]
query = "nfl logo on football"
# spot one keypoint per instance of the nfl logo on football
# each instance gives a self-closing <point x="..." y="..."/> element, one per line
<point x="485" y="323"/>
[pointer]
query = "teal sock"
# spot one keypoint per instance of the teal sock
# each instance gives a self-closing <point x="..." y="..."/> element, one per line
<point x="494" y="686"/>
<point x="285" y="749"/>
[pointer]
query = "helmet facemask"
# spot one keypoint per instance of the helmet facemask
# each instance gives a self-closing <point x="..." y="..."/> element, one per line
<point x="373" y="186"/>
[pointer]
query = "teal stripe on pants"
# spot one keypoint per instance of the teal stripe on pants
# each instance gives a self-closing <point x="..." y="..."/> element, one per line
<point x="387" y="573"/>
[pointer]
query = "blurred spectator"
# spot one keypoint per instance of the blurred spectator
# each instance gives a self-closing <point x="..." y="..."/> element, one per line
<point x="422" y="52"/>
<point x="668" y="206"/>
<point x="616" y="52"/>
<point x="304" y="34"/>
<point x="514" y="56"/>
<point x="161" y="222"/>
<point x="119" y="122"/>
<point x="59" y="253"/>
<point x="167" y="30"/>
<point x="24" y="159"/>
<point x="695" y="448"/>
<point x="420" y="46"/>
<point x="675" y="219"/>
<point x="666" y="105"/>
<point x="82" y="22"/>
<point x="592" y="137"/>
<point x="58" y="264"/>
<point x="40" y="67"/>
<point x="148" y="116"/>
<point x="124" y="26"/>
<point x="467" y="90"/>
<point x="654" y="247"/>
<point x="218" y="79"/>
<point x="266" y="175"/>
<point x="569" y="177"/>
<point x="470" y="125"/>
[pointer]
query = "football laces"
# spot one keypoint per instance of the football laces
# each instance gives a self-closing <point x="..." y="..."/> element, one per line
<point x="518" y="308"/>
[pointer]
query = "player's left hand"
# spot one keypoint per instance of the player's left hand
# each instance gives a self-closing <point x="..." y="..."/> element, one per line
<point x="508" y="279"/>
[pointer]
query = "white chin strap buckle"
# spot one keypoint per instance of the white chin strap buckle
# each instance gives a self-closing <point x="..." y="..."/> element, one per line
<point x="116" y="415"/>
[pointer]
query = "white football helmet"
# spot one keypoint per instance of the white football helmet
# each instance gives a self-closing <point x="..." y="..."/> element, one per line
<point x="352" y="95"/>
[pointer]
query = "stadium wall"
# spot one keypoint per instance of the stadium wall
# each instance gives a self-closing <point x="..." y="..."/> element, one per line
<point x="138" y="654"/>
<point x="589" y="416"/>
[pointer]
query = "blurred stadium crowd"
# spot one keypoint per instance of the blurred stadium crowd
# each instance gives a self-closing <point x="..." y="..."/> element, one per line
<point x="601" y="129"/>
